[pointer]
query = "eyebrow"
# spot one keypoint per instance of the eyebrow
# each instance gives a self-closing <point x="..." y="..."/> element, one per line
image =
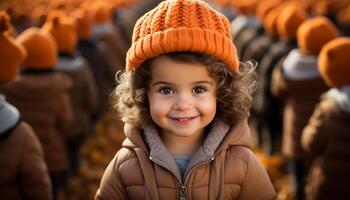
<point x="168" y="83"/>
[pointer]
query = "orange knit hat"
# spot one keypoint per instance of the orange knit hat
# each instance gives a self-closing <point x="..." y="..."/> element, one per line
<point x="84" y="22"/>
<point x="264" y="7"/>
<point x="41" y="49"/>
<point x="245" y="7"/>
<point x="182" y="25"/>
<point x="289" y="21"/>
<point x="343" y="17"/>
<point x="11" y="53"/>
<point x="63" y="29"/>
<point x="314" y="33"/>
<point x="333" y="62"/>
<point x="101" y="14"/>
<point x="270" y="20"/>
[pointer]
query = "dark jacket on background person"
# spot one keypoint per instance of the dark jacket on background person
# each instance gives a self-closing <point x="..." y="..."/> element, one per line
<point x="267" y="108"/>
<point x="23" y="172"/>
<point x="43" y="101"/>
<point x="223" y="168"/>
<point x="116" y="45"/>
<point x="274" y="56"/>
<point x="95" y="53"/>
<point x="327" y="139"/>
<point x="83" y="93"/>
<point x="300" y="91"/>
<point x="245" y="37"/>
<point x="257" y="48"/>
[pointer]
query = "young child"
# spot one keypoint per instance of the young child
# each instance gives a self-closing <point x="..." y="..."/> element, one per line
<point x="23" y="172"/>
<point x="326" y="137"/>
<point x="185" y="101"/>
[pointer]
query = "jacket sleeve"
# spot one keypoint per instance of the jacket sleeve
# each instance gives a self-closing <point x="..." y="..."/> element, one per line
<point x="111" y="186"/>
<point x="278" y="86"/>
<point x="90" y="91"/>
<point x="65" y="112"/>
<point x="313" y="137"/>
<point x="256" y="184"/>
<point x="33" y="174"/>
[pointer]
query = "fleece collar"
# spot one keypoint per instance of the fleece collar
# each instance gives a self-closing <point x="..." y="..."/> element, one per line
<point x="204" y="153"/>
<point x="341" y="97"/>
<point x="70" y="63"/>
<point x="219" y="138"/>
<point x="299" y="66"/>
<point x="9" y="115"/>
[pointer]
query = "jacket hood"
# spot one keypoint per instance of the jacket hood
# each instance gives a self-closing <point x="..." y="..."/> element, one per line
<point x="341" y="97"/>
<point x="39" y="86"/>
<point x="219" y="138"/>
<point x="300" y="66"/>
<point x="70" y="63"/>
<point x="236" y="135"/>
<point x="9" y="115"/>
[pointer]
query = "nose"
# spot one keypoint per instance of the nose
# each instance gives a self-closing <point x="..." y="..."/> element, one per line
<point x="183" y="102"/>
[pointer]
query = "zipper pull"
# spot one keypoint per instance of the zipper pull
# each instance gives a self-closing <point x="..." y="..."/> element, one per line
<point x="183" y="192"/>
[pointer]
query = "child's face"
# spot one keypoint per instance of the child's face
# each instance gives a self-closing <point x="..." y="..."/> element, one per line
<point x="182" y="97"/>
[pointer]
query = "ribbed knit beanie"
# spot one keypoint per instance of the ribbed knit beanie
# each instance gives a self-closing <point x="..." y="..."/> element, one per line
<point x="182" y="25"/>
<point x="11" y="52"/>
<point x="63" y="29"/>
<point x="314" y="33"/>
<point x="333" y="62"/>
<point x="289" y="21"/>
<point x="84" y="22"/>
<point x="41" y="49"/>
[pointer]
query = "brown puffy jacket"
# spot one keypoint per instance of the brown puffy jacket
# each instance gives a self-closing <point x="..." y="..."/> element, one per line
<point x="300" y="98"/>
<point x="23" y="172"/>
<point x="43" y="102"/>
<point x="222" y="168"/>
<point x="327" y="138"/>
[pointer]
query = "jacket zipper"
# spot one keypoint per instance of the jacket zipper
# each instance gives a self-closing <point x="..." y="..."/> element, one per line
<point x="183" y="187"/>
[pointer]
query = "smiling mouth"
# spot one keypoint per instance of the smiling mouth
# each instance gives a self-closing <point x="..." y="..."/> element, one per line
<point x="183" y="119"/>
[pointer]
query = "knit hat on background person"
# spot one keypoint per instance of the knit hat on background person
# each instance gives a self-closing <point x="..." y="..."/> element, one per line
<point x="84" y="22"/>
<point x="11" y="52"/>
<point x="270" y="19"/>
<point x="41" y="49"/>
<point x="314" y="33"/>
<point x="329" y="8"/>
<point x="343" y="20"/>
<point x="223" y="3"/>
<point x="63" y="29"/>
<point x="333" y="62"/>
<point x="289" y="21"/>
<point x="245" y="7"/>
<point x="264" y="7"/>
<point x="101" y="14"/>
<point x="182" y="25"/>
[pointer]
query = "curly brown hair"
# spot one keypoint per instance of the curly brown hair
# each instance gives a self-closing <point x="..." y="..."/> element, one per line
<point x="234" y="90"/>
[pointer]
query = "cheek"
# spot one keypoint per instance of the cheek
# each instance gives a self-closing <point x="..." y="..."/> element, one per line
<point x="208" y="106"/>
<point x="157" y="108"/>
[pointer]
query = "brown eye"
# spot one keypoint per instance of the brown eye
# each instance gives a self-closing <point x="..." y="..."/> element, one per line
<point x="166" y="91"/>
<point x="199" y="90"/>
